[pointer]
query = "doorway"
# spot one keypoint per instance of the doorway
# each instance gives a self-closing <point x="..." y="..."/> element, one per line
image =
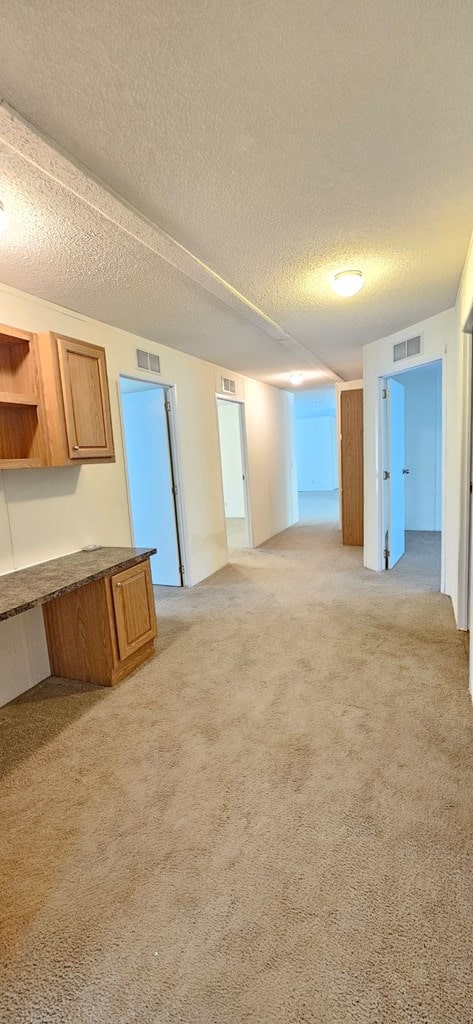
<point x="150" y="458"/>
<point x="412" y="485"/>
<point x="316" y="455"/>
<point x="231" y="429"/>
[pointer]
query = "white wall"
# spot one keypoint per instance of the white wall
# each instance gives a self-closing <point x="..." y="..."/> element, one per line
<point x="271" y="459"/>
<point x="460" y="552"/>
<point x="49" y="512"/>
<point x="439" y="341"/>
<point x="316" y="453"/>
<point x="230" y="451"/>
<point x="423" y="446"/>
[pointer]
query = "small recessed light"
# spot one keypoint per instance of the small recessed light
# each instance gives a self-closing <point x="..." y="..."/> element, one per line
<point x="296" y="378"/>
<point x="347" y="282"/>
<point x="3" y="218"/>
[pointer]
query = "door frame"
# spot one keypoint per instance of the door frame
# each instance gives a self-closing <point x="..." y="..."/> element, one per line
<point x="381" y="448"/>
<point x="244" y="459"/>
<point x="174" y="451"/>
<point x="465" y="568"/>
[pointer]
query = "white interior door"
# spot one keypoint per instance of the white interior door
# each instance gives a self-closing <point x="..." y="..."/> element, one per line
<point x="233" y="463"/>
<point x="395" y="451"/>
<point x="150" y="480"/>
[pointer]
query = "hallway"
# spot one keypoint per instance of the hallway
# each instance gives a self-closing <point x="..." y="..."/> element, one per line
<point x="271" y="821"/>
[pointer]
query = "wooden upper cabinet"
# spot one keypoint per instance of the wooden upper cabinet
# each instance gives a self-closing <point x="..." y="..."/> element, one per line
<point x="133" y="604"/>
<point x="21" y="414"/>
<point x="76" y="401"/>
<point x="54" y="401"/>
<point x="84" y="385"/>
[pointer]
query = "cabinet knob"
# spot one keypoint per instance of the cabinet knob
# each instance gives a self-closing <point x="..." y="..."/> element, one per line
<point x="75" y="447"/>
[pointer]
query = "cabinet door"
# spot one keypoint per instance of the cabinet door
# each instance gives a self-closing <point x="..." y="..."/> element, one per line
<point x="84" y="386"/>
<point x="133" y="603"/>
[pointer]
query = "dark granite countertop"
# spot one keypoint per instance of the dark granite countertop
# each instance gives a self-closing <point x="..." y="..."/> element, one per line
<point x="36" y="584"/>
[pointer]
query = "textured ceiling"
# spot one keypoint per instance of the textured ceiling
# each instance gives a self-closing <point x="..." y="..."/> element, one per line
<point x="59" y="248"/>
<point x="277" y="141"/>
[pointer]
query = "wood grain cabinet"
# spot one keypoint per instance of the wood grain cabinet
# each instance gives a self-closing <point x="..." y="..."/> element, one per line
<point x="54" y="401"/>
<point x="21" y="414"/>
<point x="133" y="606"/>
<point x="104" y="630"/>
<point x="76" y="401"/>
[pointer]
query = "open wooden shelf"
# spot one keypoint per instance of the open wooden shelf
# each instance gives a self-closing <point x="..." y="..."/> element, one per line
<point x="21" y="435"/>
<point x="13" y="335"/>
<point x="17" y="398"/>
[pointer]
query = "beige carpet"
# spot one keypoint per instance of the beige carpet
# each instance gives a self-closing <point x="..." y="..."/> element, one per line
<point x="271" y="822"/>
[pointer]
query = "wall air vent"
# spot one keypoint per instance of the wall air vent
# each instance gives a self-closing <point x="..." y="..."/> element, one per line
<point x="228" y="386"/>
<point x="406" y="349"/>
<point x="148" y="361"/>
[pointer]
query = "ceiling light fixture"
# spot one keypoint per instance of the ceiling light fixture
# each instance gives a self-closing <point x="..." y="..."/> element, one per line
<point x="296" y="378"/>
<point x="347" y="282"/>
<point x="3" y="217"/>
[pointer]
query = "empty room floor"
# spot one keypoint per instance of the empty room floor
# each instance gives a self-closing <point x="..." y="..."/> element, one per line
<point x="271" y="821"/>
<point x="421" y="564"/>
<point x="237" y="534"/>
<point x="318" y="507"/>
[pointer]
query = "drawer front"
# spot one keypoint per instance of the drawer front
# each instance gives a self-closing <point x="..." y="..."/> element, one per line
<point x="133" y="603"/>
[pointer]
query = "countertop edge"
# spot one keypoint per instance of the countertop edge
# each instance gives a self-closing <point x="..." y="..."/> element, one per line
<point x="98" y="574"/>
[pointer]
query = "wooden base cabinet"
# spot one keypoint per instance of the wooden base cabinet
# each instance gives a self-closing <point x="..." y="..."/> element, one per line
<point x="104" y="630"/>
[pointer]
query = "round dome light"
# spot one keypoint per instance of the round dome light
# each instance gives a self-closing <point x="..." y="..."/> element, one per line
<point x="296" y="378"/>
<point x="347" y="282"/>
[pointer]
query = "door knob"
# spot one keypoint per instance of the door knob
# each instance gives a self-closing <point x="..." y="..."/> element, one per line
<point x="406" y="471"/>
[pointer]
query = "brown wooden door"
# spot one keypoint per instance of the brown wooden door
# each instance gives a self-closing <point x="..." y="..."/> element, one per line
<point x="351" y="427"/>
<point x="84" y="386"/>
<point x="133" y="603"/>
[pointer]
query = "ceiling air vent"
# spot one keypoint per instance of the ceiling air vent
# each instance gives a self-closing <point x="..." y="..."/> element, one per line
<point x="228" y="386"/>
<point x="148" y="361"/>
<point x="406" y="349"/>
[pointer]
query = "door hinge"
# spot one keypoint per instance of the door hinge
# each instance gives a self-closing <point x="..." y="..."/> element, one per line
<point x="174" y="489"/>
<point x="386" y="553"/>
<point x="182" y="570"/>
<point x="386" y="475"/>
<point x="167" y="406"/>
<point x="385" y="393"/>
